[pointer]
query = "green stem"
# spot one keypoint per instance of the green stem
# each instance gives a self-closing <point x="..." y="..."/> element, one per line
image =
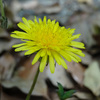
<point x="33" y="85"/>
<point x="3" y="19"/>
<point x="2" y="9"/>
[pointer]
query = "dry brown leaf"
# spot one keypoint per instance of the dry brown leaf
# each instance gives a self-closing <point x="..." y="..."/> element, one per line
<point x="7" y="64"/>
<point x="54" y="96"/>
<point x="87" y="59"/>
<point x="92" y="78"/>
<point x="24" y="77"/>
<point x="77" y="71"/>
<point x="47" y="9"/>
<point x="17" y="5"/>
<point x="59" y="76"/>
<point x="6" y="45"/>
<point x="27" y="70"/>
<point x="48" y="3"/>
<point x="84" y="95"/>
<point x="87" y="1"/>
<point x="3" y="34"/>
<point x="83" y="26"/>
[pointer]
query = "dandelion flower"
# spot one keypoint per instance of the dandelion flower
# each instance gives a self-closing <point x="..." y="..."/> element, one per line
<point x="49" y="41"/>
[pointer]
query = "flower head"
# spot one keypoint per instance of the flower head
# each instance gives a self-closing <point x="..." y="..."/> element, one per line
<point x="49" y="41"/>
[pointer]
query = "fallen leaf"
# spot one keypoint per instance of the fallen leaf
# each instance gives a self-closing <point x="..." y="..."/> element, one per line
<point x="54" y="96"/>
<point x="23" y="79"/>
<point x="48" y="3"/>
<point x="7" y="45"/>
<point x="59" y="76"/>
<point x="84" y="95"/>
<point x="94" y="21"/>
<point x="17" y="5"/>
<point x="87" y="1"/>
<point x="92" y="79"/>
<point x="7" y="65"/>
<point x="87" y="59"/>
<point x="82" y="27"/>
<point x="48" y="9"/>
<point x="77" y="71"/>
<point x="4" y="34"/>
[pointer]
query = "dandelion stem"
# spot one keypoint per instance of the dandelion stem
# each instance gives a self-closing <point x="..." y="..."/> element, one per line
<point x="2" y="9"/>
<point x="3" y="19"/>
<point x="33" y="85"/>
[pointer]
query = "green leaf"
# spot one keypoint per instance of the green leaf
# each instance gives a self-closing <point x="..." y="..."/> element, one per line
<point x="68" y="94"/>
<point x="60" y="90"/>
<point x="4" y="22"/>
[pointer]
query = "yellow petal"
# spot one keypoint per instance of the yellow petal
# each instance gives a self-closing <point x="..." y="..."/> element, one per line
<point x="31" y="23"/>
<point x="37" y="56"/>
<point x="49" y="21"/>
<point x="56" y="27"/>
<point x="43" y="52"/>
<point x="25" y="21"/>
<point x="43" y="63"/>
<point x="71" y="31"/>
<point x="44" y="20"/>
<point x="76" y="51"/>
<point x="15" y="36"/>
<point x="48" y="52"/>
<point x="75" y="56"/>
<point x="22" y="48"/>
<point x="18" y="32"/>
<point x="35" y="20"/>
<point x="74" y="37"/>
<point x="80" y="54"/>
<point x="40" y="21"/>
<point x="56" y="56"/>
<point x="23" y="26"/>
<point x="65" y="55"/>
<point x="61" y="60"/>
<point x="20" y="35"/>
<point x="53" y="22"/>
<point x="63" y="63"/>
<point x="30" y="43"/>
<point x="74" y="59"/>
<point x="18" y="45"/>
<point x="51" y="63"/>
<point x="77" y="44"/>
<point x="32" y="50"/>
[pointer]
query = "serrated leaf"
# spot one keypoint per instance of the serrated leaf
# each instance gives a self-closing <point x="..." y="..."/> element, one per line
<point x="60" y="90"/>
<point x="68" y="94"/>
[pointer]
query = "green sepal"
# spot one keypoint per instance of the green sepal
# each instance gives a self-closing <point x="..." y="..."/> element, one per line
<point x="60" y="90"/>
<point x="68" y="94"/>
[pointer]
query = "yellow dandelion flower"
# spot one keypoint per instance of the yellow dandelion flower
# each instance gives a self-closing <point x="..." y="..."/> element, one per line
<point x="50" y="41"/>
